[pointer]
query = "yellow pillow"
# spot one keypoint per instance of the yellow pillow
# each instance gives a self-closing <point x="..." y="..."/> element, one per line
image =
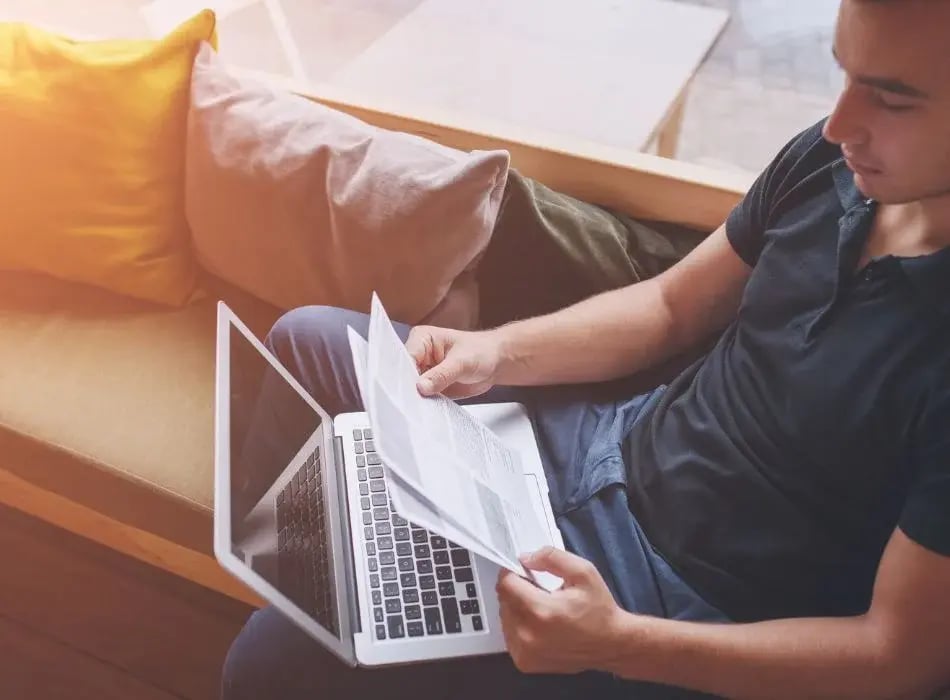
<point x="92" y="150"/>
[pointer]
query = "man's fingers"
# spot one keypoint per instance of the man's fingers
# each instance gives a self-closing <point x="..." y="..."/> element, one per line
<point x="419" y="345"/>
<point x="565" y="565"/>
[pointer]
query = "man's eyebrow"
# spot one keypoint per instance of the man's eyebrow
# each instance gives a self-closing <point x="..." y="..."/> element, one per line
<point x="892" y="85"/>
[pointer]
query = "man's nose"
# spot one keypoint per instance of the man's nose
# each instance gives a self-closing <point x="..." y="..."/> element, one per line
<point x="845" y="123"/>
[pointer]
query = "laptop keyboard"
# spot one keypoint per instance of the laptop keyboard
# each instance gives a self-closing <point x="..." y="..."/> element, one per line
<point x="421" y="584"/>
<point x="303" y="556"/>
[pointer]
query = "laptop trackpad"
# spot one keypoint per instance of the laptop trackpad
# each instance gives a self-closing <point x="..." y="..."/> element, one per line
<point x="546" y="580"/>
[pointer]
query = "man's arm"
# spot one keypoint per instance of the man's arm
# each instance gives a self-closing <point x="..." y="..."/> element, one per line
<point x="899" y="649"/>
<point x="625" y="330"/>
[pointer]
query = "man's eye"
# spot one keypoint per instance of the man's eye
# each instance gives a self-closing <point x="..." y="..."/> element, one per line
<point x="889" y="104"/>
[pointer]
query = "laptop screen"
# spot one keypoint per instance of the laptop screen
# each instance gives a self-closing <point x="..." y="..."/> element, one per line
<point x="285" y="538"/>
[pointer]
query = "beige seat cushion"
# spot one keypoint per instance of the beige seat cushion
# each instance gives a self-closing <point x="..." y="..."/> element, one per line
<point x="109" y="401"/>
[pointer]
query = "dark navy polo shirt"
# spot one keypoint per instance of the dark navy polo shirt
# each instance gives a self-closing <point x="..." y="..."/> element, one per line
<point x="774" y="470"/>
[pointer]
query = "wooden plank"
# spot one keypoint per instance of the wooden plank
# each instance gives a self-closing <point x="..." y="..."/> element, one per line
<point x="169" y="633"/>
<point x="144" y="546"/>
<point x="39" y="668"/>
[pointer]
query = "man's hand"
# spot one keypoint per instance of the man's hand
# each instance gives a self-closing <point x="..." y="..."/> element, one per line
<point x="565" y="631"/>
<point x="457" y="364"/>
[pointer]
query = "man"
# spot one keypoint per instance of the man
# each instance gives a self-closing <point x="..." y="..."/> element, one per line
<point x="776" y="522"/>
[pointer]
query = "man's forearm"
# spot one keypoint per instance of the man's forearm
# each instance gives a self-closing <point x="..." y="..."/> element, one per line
<point x="607" y="336"/>
<point x="796" y="658"/>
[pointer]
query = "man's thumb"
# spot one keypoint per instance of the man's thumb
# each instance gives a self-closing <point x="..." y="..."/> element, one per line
<point x="440" y="377"/>
<point x="565" y="565"/>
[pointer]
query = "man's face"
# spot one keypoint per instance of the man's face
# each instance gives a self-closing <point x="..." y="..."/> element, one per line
<point x="893" y="116"/>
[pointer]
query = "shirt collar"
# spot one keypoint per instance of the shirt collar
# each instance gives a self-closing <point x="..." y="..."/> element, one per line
<point x="930" y="274"/>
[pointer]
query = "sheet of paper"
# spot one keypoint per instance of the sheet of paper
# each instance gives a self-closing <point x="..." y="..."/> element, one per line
<point x="442" y="455"/>
<point x="410" y="503"/>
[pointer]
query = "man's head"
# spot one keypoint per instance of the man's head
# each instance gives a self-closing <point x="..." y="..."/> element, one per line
<point x="893" y="117"/>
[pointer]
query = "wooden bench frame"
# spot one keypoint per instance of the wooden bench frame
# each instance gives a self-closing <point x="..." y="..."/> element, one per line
<point x="641" y="185"/>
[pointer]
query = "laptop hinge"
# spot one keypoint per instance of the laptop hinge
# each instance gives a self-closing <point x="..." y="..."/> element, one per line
<point x="348" y="559"/>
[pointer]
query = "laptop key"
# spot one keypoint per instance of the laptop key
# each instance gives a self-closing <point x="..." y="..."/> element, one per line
<point x="450" y="614"/>
<point x="380" y="631"/>
<point x="357" y="434"/>
<point x="427" y="583"/>
<point x="406" y="564"/>
<point x="460" y="558"/>
<point x="371" y="548"/>
<point x="407" y="580"/>
<point x="376" y="485"/>
<point x="443" y="573"/>
<point x="446" y="588"/>
<point x="376" y="472"/>
<point x="379" y="499"/>
<point x="399" y="521"/>
<point x="378" y="614"/>
<point x="364" y="503"/>
<point x="477" y="623"/>
<point x="367" y="434"/>
<point x="360" y="461"/>
<point x="430" y="598"/>
<point x="385" y="543"/>
<point x="396" y="628"/>
<point x="383" y="528"/>
<point x="404" y="549"/>
<point x="370" y="447"/>
<point x="433" y="621"/>
<point x="393" y="605"/>
<point x="374" y="580"/>
<point x="368" y="533"/>
<point x="373" y="565"/>
<point x="438" y="542"/>
<point x="424" y="566"/>
<point x="390" y="589"/>
<point x="364" y="489"/>
<point x="465" y="606"/>
<point x="455" y="545"/>
<point x="464" y="574"/>
<point x="387" y="558"/>
<point x="361" y="474"/>
<point x="470" y="589"/>
<point x="388" y="573"/>
<point x="441" y="557"/>
<point x="381" y="513"/>
<point x="413" y="612"/>
<point x="415" y="629"/>
<point x="421" y="551"/>
<point x="367" y="518"/>
<point x="410" y="595"/>
<point x="419" y="536"/>
<point x="358" y="448"/>
<point x="373" y="459"/>
<point x="377" y="598"/>
<point x="401" y="534"/>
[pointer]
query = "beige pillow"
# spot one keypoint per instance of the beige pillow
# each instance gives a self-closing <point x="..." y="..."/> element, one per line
<point x="301" y="204"/>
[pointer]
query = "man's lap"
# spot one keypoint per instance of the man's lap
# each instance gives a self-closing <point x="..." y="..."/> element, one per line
<point x="579" y="436"/>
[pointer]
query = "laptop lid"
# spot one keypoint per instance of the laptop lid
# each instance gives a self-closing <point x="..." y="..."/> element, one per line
<point x="264" y="421"/>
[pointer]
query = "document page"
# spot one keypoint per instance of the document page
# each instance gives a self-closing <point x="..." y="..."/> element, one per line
<point x="447" y="471"/>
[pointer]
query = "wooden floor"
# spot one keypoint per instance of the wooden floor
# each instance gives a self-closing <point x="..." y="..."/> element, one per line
<point x="80" y="621"/>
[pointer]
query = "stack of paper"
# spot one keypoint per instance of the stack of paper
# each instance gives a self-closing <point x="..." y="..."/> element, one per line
<point x="446" y="471"/>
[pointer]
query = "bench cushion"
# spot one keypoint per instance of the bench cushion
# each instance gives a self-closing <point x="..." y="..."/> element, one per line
<point x="109" y="401"/>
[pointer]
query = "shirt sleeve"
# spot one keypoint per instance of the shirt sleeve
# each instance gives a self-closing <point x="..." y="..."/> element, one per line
<point x="925" y="517"/>
<point x="747" y="223"/>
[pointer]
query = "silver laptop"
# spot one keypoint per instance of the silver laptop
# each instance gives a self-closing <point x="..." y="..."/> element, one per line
<point x="303" y="517"/>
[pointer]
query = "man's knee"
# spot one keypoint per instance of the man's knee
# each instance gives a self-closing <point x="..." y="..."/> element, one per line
<point x="245" y="670"/>
<point x="311" y="325"/>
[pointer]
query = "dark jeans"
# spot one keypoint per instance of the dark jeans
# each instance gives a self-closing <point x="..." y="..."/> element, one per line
<point x="580" y="430"/>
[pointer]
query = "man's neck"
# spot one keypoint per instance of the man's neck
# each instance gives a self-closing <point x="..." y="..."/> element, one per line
<point x="910" y="229"/>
